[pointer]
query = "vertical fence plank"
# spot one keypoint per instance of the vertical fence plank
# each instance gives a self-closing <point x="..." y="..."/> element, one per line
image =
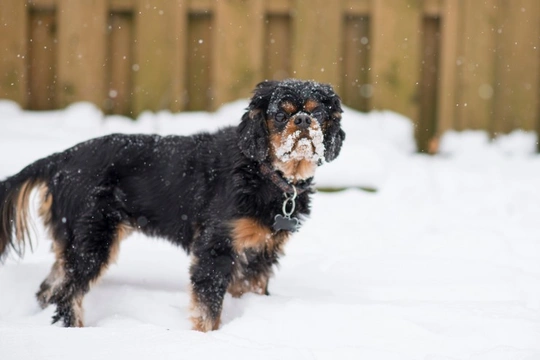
<point x="277" y="47"/>
<point x="537" y="117"/>
<point x="198" y="67"/>
<point x="82" y="34"/>
<point x="316" y="33"/>
<point x="13" y="35"/>
<point x="448" y="83"/>
<point x="120" y="63"/>
<point x="237" y="52"/>
<point x="355" y="89"/>
<point x="179" y="52"/>
<point x="517" y="66"/>
<point x="396" y="55"/>
<point x="476" y="69"/>
<point x="429" y="87"/>
<point x="42" y="60"/>
<point x="157" y="84"/>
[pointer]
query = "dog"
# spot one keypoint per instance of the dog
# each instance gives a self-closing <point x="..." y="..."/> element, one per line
<point x="231" y="199"/>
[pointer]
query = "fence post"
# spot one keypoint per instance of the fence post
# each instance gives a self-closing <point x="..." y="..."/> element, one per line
<point x="517" y="65"/>
<point x="357" y="41"/>
<point x="42" y="60"/>
<point x="82" y="31"/>
<point x="317" y="30"/>
<point x="277" y="45"/>
<point x="160" y="32"/>
<point x="395" y="70"/>
<point x="13" y="37"/>
<point x="120" y="63"/>
<point x="448" y="84"/>
<point x="476" y="65"/>
<point x="237" y="53"/>
<point x="198" y="69"/>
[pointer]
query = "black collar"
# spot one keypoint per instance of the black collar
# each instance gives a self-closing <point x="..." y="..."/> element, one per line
<point x="286" y="186"/>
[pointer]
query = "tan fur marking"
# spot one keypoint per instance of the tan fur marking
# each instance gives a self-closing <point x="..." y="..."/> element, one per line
<point x="44" y="211"/>
<point x="310" y="105"/>
<point x="200" y="317"/>
<point x="58" y="251"/>
<point x="271" y="126"/>
<point x="296" y="169"/>
<point x="53" y="281"/>
<point x="46" y="203"/>
<point x="78" y="312"/>
<point x="248" y="233"/>
<point x="57" y="274"/>
<point x="241" y="286"/>
<point x="289" y="107"/>
<point x="280" y="239"/>
<point x="21" y="218"/>
<point x="122" y="231"/>
<point x="254" y="113"/>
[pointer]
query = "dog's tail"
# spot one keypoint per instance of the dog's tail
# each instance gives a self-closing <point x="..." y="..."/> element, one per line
<point x="14" y="203"/>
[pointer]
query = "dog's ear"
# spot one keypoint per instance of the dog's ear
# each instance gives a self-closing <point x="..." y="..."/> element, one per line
<point x="253" y="132"/>
<point x="263" y="94"/>
<point x="253" y="135"/>
<point x="333" y="139"/>
<point x="333" y="134"/>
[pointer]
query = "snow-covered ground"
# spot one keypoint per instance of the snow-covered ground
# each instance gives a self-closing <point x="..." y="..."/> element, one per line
<point x="442" y="262"/>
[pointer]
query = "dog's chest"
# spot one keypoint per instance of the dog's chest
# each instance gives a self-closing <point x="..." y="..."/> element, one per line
<point x="249" y="236"/>
<point x="251" y="271"/>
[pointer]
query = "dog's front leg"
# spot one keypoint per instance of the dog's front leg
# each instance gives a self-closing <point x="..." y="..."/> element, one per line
<point x="210" y="276"/>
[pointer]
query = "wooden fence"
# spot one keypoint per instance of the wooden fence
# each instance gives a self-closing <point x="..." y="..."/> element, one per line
<point x="447" y="64"/>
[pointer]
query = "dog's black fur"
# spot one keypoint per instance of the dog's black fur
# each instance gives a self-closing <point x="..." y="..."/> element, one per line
<point x="207" y="193"/>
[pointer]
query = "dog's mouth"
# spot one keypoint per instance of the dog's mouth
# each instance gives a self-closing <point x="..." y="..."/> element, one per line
<point x="301" y="144"/>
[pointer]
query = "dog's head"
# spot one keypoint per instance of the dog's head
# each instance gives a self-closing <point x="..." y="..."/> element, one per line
<point x="293" y="124"/>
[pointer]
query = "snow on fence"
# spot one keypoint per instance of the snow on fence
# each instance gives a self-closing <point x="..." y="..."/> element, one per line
<point x="446" y="64"/>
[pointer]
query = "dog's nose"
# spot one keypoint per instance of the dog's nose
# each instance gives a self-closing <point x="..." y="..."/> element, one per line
<point x="302" y="121"/>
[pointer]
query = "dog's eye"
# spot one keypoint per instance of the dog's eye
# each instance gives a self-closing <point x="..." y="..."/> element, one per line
<point x="319" y="115"/>
<point x="280" y="117"/>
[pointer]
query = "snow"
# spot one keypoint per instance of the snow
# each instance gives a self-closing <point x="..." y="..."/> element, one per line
<point x="517" y="143"/>
<point x="293" y="146"/>
<point x="442" y="262"/>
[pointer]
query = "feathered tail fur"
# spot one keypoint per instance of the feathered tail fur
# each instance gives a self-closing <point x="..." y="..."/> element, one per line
<point x="14" y="206"/>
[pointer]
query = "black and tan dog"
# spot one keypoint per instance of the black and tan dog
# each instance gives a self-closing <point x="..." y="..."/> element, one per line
<point x="231" y="199"/>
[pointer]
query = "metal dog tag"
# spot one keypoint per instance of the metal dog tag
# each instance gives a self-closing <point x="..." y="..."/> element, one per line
<point x="285" y="223"/>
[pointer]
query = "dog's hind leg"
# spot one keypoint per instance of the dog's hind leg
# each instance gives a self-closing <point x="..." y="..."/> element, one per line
<point x="84" y="262"/>
<point x="92" y="246"/>
<point x="52" y="283"/>
<point x="57" y="274"/>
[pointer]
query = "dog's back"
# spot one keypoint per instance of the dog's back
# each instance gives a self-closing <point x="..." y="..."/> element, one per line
<point x="137" y="179"/>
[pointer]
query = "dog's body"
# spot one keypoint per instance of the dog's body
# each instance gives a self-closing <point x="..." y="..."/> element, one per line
<point x="216" y="195"/>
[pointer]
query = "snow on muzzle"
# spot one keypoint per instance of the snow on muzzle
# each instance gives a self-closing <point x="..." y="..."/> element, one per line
<point x="301" y="144"/>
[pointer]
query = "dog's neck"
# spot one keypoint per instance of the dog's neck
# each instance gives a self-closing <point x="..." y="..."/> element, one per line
<point x="295" y="170"/>
<point x="286" y="186"/>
